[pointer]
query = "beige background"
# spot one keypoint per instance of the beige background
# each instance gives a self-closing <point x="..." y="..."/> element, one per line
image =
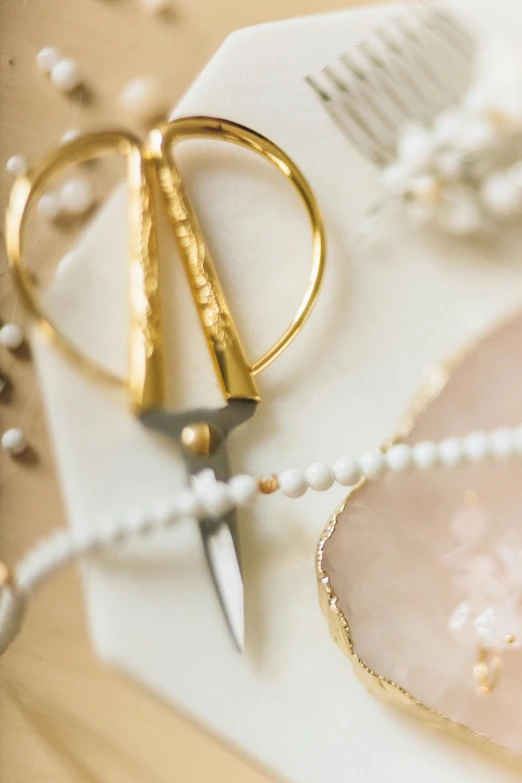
<point x="62" y="716"/>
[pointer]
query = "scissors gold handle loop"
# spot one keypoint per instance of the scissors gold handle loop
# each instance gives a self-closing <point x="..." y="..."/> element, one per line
<point x="146" y="345"/>
<point x="145" y="164"/>
<point x="237" y="375"/>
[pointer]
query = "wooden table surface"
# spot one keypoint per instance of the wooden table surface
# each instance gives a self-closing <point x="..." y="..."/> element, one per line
<point x="63" y="717"/>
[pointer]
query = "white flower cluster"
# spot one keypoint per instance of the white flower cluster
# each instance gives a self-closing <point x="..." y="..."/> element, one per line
<point x="464" y="173"/>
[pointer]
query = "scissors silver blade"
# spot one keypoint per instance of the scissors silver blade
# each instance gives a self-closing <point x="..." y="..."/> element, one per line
<point x="202" y="434"/>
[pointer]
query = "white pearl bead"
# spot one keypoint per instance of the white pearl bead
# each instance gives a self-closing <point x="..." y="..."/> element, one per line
<point x="449" y="165"/>
<point x="399" y="458"/>
<point x="451" y="452"/>
<point x="140" y="98"/>
<point x="14" y="442"/>
<point x="188" y="504"/>
<point x="502" y="443"/>
<point x="320" y="476"/>
<point x="243" y="489"/>
<point x="47" y="58"/>
<point x="65" y="75"/>
<point x="293" y="483"/>
<point x="69" y="135"/>
<point x="48" y="205"/>
<point x="155" y="6"/>
<point x="415" y="147"/>
<point x="373" y="464"/>
<point x="475" y="136"/>
<point x="347" y="471"/>
<point x="476" y="446"/>
<point x="163" y="512"/>
<point x="16" y="165"/>
<point x="425" y="455"/>
<point x="447" y="127"/>
<point x="396" y="179"/>
<point x="216" y="498"/>
<point x="11" y="336"/>
<point x="500" y="195"/>
<point x="76" y="196"/>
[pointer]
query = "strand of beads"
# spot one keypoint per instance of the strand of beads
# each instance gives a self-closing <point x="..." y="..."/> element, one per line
<point x="210" y="497"/>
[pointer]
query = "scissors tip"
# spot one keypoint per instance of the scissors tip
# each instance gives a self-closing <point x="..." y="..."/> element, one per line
<point x="226" y="573"/>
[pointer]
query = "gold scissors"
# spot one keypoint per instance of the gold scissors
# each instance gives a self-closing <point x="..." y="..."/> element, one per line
<point x="201" y="433"/>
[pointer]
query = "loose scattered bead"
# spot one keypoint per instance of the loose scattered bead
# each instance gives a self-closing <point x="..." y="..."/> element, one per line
<point x="399" y="458"/>
<point x="476" y="446"/>
<point x="243" y="489"/>
<point x="373" y="464"/>
<point x="49" y="205"/>
<point x="11" y="336"/>
<point x="47" y="58"/>
<point x="320" y="476"/>
<point x="76" y="196"/>
<point x="69" y="135"/>
<point x="347" y="471"/>
<point x="451" y="452"/>
<point x="14" y="442"/>
<point x="141" y="98"/>
<point x="425" y="455"/>
<point x="65" y="75"/>
<point x="16" y="165"/>
<point x="293" y="483"/>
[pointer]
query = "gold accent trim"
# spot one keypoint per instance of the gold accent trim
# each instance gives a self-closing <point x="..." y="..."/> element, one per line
<point x="381" y="687"/>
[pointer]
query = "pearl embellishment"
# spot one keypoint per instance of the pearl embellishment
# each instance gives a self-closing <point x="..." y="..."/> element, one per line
<point x="293" y="483"/>
<point x="49" y="206"/>
<point x="16" y="165"/>
<point x="347" y="471"/>
<point x="65" y="75"/>
<point x="320" y="476"/>
<point x="47" y="58"/>
<point x="11" y="336"/>
<point x="76" y="196"/>
<point x="373" y="464"/>
<point x="140" y="98"/>
<point x="14" y="442"/>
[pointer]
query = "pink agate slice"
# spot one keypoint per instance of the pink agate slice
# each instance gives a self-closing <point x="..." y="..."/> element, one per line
<point x="387" y="558"/>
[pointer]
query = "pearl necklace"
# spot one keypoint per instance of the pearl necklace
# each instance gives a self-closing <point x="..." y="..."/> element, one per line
<point x="209" y="497"/>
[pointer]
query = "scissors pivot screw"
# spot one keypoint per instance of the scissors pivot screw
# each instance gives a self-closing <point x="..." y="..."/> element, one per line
<point x="200" y="439"/>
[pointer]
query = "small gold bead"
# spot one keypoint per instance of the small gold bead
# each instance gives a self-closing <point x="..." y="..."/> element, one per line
<point x="510" y="639"/>
<point x="268" y="484"/>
